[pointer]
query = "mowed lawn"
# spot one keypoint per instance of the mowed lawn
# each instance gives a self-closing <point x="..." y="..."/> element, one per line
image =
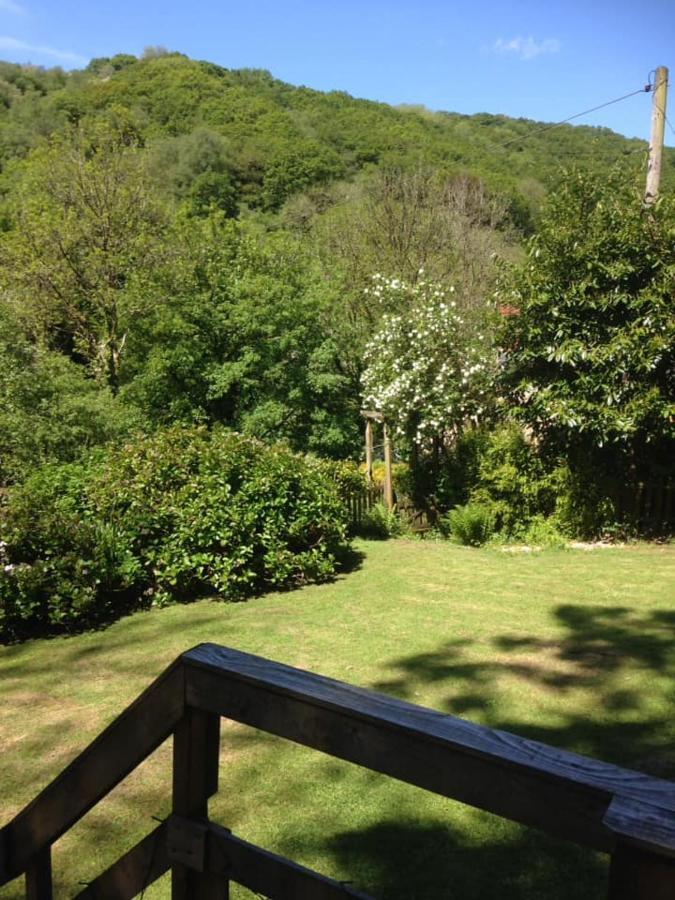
<point x="574" y="648"/>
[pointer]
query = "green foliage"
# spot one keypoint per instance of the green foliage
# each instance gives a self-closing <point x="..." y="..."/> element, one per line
<point x="471" y="525"/>
<point x="516" y="480"/>
<point x="400" y="474"/>
<point x="243" y="343"/>
<point x="184" y="512"/>
<point x="592" y="350"/>
<point x="197" y="169"/>
<point x="381" y="523"/>
<point x="542" y="532"/>
<point x="50" y="410"/>
<point x="86" y="230"/>
<point x="344" y="474"/>
<point x="306" y="164"/>
<point x="284" y="139"/>
<point x="137" y="299"/>
<point x="62" y="568"/>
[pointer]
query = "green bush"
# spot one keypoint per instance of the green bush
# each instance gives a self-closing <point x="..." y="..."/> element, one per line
<point x="471" y="525"/>
<point x="542" y="532"/>
<point x="516" y="480"/>
<point x="182" y="513"/>
<point x="344" y="474"/>
<point x="381" y="523"/>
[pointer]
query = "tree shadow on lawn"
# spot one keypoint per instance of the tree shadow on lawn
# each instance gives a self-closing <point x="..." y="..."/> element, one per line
<point x="399" y="860"/>
<point x="618" y="662"/>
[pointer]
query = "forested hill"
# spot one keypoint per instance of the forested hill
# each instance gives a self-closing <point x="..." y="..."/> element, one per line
<point x="263" y="140"/>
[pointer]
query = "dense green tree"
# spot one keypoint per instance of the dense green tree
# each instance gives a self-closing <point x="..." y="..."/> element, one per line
<point x="591" y="335"/>
<point x="50" y="410"/>
<point x="86" y="231"/>
<point x="284" y="138"/>
<point x="243" y="342"/>
<point x="197" y="169"/>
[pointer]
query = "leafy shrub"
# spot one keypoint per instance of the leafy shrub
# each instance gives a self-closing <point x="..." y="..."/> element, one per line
<point x="182" y="513"/>
<point x="471" y="525"/>
<point x="459" y="473"/>
<point x="516" y="480"/>
<point x="542" y="532"/>
<point x="381" y="523"/>
<point x="344" y="474"/>
<point x="400" y="473"/>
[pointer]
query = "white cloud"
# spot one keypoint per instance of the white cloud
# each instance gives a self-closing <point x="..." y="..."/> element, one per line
<point x="527" y="48"/>
<point x="11" y="7"/>
<point x="10" y="43"/>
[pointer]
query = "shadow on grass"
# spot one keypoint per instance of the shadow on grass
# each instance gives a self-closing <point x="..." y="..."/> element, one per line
<point x="617" y="666"/>
<point x="398" y="860"/>
<point x="620" y="662"/>
<point x="17" y="660"/>
<point x="349" y="560"/>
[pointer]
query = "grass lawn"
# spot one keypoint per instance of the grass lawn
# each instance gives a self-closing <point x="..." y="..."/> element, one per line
<point x="573" y="648"/>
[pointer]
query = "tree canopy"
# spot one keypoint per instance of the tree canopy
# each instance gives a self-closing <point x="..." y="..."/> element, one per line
<point x="591" y="350"/>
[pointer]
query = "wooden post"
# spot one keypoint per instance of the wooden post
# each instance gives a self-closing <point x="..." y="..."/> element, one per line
<point x="388" y="475"/>
<point x="196" y="745"/>
<point x="369" y="451"/>
<point x="659" y="101"/>
<point x="639" y="875"/>
<point x="39" y="876"/>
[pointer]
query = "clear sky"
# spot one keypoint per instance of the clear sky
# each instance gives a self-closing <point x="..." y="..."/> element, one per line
<point x="532" y="58"/>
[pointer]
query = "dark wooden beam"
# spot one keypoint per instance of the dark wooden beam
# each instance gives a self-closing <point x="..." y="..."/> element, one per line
<point x="39" y="876"/>
<point x="562" y="793"/>
<point x="229" y="857"/>
<point x="636" y="874"/>
<point x="124" y="744"/>
<point x="196" y="746"/>
<point x="132" y="873"/>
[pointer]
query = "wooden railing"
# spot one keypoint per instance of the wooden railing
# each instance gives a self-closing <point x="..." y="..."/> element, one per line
<point x="617" y="811"/>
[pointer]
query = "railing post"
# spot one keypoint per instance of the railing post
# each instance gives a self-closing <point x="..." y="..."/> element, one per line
<point x="640" y="875"/>
<point x="196" y="745"/>
<point x="39" y="876"/>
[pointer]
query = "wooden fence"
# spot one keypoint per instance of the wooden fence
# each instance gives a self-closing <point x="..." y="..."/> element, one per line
<point x="617" y="811"/>
<point x="360" y="502"/>
<point x="648" y="505"/>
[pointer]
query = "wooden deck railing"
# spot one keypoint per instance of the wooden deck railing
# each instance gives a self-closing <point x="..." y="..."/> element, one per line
<point x="617" y="811"/>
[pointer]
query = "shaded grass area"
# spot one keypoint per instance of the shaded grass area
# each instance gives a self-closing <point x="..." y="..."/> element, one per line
<point x="569" y="647"/>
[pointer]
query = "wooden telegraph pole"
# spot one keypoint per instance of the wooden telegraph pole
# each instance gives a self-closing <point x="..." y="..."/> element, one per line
<point x="388" y="474"/>
<point x="659" y="100"/>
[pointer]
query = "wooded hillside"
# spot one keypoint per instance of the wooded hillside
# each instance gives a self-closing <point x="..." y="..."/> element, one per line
<point x="261" y="141"/>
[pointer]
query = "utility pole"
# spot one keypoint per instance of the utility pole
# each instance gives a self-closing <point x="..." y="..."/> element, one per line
<point x="388" y="474"/>
<point x="660" y="97"/>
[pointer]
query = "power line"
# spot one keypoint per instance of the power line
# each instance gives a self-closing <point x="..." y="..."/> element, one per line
<point x="644" y="90"/>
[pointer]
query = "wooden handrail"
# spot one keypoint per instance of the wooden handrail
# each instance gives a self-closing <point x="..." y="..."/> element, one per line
<point x="618" y="811"/>
<point x="116" y="752"/>
<point x="575" y="797"/>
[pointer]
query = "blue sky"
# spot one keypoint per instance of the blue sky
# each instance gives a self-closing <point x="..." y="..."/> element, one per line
<point x="541" y="60"/>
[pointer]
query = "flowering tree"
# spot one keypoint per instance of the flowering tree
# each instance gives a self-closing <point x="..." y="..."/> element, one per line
<point x="429" y="369"/>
